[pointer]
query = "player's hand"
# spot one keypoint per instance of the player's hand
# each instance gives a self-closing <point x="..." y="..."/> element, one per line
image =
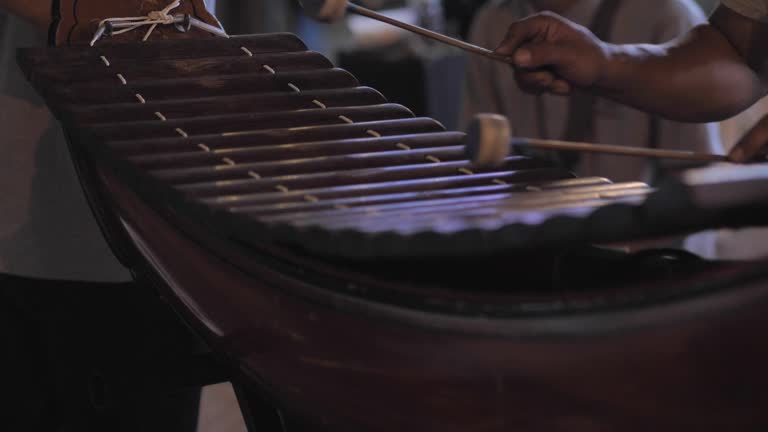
<point x="754" y="145"/>
<point x="552" y="54"/>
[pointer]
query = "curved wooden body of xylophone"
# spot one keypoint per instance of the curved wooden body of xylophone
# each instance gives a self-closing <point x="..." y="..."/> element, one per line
<point x="328" y="348"/>
<point x="209" y="162"/>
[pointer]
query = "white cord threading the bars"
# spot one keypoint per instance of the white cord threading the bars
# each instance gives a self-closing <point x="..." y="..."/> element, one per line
<point x="152" y="19"/>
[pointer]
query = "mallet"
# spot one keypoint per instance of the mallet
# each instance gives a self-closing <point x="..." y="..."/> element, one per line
<point x="334" y="10"/>
<point x="489" y="142"/>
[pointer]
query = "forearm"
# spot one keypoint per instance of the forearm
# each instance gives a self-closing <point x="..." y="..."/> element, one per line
<point x="38" y="12"/>
<point x="711" y="74"/>
<point x="698" y="79"/>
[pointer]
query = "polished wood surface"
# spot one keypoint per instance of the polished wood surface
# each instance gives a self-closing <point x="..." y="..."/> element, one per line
<point x="153" y="69"/>
<point x="217" y="124"/>
<point x="350" y="363"/>
<point x="218" y="85"/>
<point x="300" y="123"/>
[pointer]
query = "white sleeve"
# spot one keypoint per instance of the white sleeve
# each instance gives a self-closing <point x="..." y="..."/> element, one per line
<point x="756" y="9"/>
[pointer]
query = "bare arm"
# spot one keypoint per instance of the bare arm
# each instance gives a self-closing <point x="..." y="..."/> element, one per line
<point x="38" y="12"/>
<point x="710" y="74"/>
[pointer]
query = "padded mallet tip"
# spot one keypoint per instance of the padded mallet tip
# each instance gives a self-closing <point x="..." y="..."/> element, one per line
<point x="488" y="139"/>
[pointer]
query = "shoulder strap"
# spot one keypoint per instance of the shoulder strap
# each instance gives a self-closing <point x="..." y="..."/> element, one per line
<point x="55" y="20"/>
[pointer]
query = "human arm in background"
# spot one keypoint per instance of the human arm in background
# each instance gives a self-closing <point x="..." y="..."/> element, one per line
<point x="715" y="71"/>
<point x="38" y="12"/>
<point x="670" y="20"/>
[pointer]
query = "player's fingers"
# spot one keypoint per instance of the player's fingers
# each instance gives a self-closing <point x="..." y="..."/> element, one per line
<point x="753" y="144"/>
<point x="536" y="82"/>
<point x="521" y="32"/>
<point x="536" y="55"/>
<point x="561" y="87"/>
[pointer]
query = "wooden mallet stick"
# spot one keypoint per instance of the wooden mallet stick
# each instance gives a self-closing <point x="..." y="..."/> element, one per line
<point x="489" y="142"/>
<point x="333" y="10"/>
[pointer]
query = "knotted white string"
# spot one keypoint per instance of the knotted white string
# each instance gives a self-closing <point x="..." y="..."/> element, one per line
<point x="152" y="19"/>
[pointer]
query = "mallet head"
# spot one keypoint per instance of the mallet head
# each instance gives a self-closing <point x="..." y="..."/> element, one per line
<point x="488" y="140"/>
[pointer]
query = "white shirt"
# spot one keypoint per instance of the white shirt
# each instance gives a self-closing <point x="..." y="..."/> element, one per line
<point x="47" y="229"/>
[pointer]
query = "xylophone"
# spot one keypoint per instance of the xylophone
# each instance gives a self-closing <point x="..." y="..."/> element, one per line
<point x="271" y="141"/>
<point x="351" y="263"/>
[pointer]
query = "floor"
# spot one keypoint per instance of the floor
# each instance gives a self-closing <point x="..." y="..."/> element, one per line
<point x="219" y="411"/>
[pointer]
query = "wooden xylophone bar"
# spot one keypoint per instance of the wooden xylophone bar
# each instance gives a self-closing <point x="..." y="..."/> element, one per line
<point x="262" y="131"/>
